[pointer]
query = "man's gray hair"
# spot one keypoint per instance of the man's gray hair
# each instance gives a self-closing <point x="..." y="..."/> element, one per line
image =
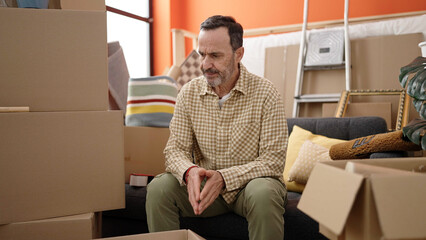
<point x="235" y="30"/>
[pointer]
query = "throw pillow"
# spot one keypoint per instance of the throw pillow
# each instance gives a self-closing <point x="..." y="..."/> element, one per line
<point x="297" y="137"/>
<point x="364" y="146"/>
<point x="190" y="69"/>
<point x="310" y="153"/>
<point x="151" y="101"/>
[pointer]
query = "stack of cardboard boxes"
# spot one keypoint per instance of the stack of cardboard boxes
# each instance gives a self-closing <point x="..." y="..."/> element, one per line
<point x="62" y="162"/>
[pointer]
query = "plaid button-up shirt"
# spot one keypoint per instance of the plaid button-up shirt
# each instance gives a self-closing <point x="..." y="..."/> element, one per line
<point x="245" y="139"/>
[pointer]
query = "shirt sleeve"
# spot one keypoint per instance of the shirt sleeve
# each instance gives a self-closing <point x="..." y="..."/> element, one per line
<point x="178" y="151"/>
<point x="272" y="147"/>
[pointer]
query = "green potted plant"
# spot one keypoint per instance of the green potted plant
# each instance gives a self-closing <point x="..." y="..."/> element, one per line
<point x="413" y="78"/>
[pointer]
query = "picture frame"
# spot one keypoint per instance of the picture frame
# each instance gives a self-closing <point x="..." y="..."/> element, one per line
<point x="403" y="106"/>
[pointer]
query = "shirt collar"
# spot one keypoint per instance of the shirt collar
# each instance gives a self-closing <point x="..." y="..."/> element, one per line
<point x="241" y="85"/>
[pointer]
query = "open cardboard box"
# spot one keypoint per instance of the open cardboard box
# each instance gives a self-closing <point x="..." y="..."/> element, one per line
<point x="172" y="235"/>
<point x="350" y="205"/>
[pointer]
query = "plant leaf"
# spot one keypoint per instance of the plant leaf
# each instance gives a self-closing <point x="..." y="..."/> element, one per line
<point x="414" y="66"/>
<point x="417" y="85"/>
<point x="416" y="135"/>
<point x="411" y="127"/>
<point x="422" y="111"/>
<point x="404" y="80"/>
<point x="415" y="131"/>
<point x="420" y="107"/>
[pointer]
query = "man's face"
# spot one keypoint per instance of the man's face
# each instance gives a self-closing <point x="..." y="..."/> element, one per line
<point x="219" y="62"/>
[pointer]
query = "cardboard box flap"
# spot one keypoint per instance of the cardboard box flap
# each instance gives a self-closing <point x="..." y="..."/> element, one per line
<point x="92" y="5"/>
<point x="319" y="200"/>
<point x="401" y="208"/>
<point x="83" y="5"/>
<point x="176" y="234"/>
<point x="79" y="217"/>
<point x="193" y="236"/>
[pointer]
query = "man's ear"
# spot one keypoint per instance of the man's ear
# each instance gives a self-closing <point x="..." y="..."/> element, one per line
<point x="239" y="53"/>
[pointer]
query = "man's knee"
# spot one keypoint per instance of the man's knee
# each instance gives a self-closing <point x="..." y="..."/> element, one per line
<point x="162" y="185"/>
<point x="266" y="192"/>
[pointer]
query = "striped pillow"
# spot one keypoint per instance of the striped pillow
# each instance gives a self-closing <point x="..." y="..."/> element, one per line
<point x="151" y="101"/>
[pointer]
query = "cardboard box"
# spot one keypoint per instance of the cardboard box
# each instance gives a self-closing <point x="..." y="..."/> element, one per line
<point x="382" y="110"/>
<point x="143" y="150"/>
<point x="53" y="60"/>
<point x="60" y="163"/>
<point x="69" y="4"/>
<point x="77" y="227"/>
<point x="349" y="205"/>
<point x="78" y="4"/>
<point x="169" y="235"/>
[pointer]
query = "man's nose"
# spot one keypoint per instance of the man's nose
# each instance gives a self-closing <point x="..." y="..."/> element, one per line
<point x="207" y="62"/>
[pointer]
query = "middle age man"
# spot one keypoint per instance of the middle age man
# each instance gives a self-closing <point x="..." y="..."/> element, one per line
<point x="227" y="144"/>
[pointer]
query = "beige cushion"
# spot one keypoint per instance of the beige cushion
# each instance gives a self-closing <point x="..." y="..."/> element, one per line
<point x="309" y="154"/>
<point x="295" y="141"/>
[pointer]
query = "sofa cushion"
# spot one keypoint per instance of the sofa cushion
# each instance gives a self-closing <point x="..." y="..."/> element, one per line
<point x="341" y="128"/>
<point x="309" y="154"/>
<point x="297" y="137"/>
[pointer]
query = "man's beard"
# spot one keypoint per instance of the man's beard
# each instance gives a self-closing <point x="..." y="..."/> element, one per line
<point x="221" y="76"/>
<point x="217" y="79"/>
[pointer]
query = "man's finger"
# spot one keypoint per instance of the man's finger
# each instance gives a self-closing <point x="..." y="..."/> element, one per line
<point x="206" y="202"/>
<point x="192" y="197"/>
<point x="195" y="177"/>
<point x="212" y="189"/>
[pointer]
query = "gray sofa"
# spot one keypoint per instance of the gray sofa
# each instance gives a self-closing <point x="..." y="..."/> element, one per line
<point x="132" y="219"/>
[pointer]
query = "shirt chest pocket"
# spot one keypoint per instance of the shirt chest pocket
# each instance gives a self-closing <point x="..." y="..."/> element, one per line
<point x="245" y="140"/>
